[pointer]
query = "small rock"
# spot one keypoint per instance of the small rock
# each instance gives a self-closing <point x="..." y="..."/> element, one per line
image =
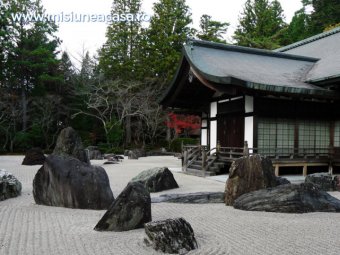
<point x="281" y="181"/>
<point x="132" y="155"/>
<point x="93" y="152"/>
<point x="171" y="236"/>
<point x="157" y="179"/>
<point x="9" y="185"/>
<point x="34" y="156"/>
<point x="324" y="181"/>
<point x="131" y="210"/>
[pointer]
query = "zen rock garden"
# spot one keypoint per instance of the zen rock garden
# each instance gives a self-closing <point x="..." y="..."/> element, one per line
<point x="67" y="179"/>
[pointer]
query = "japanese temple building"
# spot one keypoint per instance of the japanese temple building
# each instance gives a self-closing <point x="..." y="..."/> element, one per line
<point x="284" y="103"/>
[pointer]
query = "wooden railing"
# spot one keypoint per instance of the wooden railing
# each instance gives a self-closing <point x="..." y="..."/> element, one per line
<point x="192" y="153"/>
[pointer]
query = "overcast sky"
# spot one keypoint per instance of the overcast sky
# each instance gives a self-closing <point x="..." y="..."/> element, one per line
<point x="77" y="36"/>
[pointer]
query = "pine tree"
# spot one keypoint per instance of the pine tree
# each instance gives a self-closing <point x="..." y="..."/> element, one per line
<point x="326" y="13"/>
<point x="168" y="30"/>
<point x="212" y="30"/>
<point x="299" y="28"/>
<point x="119" y="57"/>
<point x="260" y="25"/>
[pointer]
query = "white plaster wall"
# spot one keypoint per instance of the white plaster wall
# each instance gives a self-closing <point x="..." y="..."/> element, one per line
<point x="204" y="123"/>
<point x="249" y="104"/>
<point x="213" y="134"/>
<point x="249" y="131"/>
<point x="204" y="137"/>
<point x="213" y="110"/>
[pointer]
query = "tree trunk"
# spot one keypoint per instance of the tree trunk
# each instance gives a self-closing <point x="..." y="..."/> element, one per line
<point x="24" y="107"/>
<point x="128" y="130"/>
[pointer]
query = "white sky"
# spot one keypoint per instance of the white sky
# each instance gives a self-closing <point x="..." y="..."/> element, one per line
<point x="78" y="37"/>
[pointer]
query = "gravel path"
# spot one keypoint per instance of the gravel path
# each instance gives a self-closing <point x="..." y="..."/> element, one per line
<point x="27" y="228"/>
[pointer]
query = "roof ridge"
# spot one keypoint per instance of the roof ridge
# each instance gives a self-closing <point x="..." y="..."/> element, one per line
<point x="242" y="49"/>
<point x="309" y="40"/>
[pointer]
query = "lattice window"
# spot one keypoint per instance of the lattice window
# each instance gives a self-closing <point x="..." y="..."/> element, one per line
<point x="314" y="135"/>
<point x="275" y="136"/>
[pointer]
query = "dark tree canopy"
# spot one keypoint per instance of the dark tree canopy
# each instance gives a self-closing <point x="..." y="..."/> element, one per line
<point x="211" y="30"/>
<point x="260" y="24"/>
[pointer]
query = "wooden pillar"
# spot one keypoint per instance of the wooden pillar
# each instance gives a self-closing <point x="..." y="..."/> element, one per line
<point x="185" y="161"/>
<point x="304" y="172"/>
<point x="204" y="162"/>
<point x="276" y="170"/>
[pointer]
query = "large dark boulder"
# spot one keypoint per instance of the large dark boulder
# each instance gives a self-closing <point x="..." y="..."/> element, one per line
<point x="248" y="174"/>
<point x="157" y="179"/>
<point x="171" y="236"/>
<point x="324" y="181"/>
<point x="34" y="156"/>
<point x="131" y="210"/>
<point x="9" y="185"/>
<point x="68" y="182"/>
<point x="69" y="144"/>
<point x="289" y="198"/>
<point x="191" y="198"/>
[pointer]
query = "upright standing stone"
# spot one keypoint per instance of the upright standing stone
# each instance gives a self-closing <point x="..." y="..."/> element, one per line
<point x="69" y="144"/>
<point x="68" y="182"/>
<point x="131" y="210"/>
<point x="248" y="174"/>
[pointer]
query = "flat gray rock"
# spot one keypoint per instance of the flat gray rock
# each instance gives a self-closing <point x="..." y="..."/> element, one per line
<point x="289" y="198"/>
<point x="191" y="198"/>
<point x="157" y="179"/>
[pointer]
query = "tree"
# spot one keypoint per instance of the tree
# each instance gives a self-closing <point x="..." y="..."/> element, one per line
<point x="119" y="58"/>
<point x="212" y="30"/>
<point x="260" y="24"/>
<point x="31" y="63"/>
<point x="183" y="123"/>
<point x="169" y="29"/>
<point x="325" y="13"/>
<point x="299" y="28"/>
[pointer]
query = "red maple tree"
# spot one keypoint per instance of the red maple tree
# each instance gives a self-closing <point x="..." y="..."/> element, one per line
<point x="181" y="122"/>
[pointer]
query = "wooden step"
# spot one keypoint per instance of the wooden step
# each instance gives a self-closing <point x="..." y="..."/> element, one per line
<point x="196" y="172"/>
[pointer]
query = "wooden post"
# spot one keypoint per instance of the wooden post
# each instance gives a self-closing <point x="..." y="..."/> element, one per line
<point x="204" y="162"/>
<point x="218" y="147"/>
<point x="245" y="149"/>
<point x="330" y="168"/>
<point x="185" y="161"/>
<point x="277" y="170"/>
<point x="305" y="170"/>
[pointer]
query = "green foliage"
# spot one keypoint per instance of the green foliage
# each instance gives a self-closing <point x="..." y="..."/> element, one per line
<point x="325" y="13"/>
<point x="299" y="28"/>
<point x="176" y="144"/>
<point x="260" y="25"/>
<point x="212" y="30"/>
<point x="120" y="55"/>
<point x="169" y="28"/>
